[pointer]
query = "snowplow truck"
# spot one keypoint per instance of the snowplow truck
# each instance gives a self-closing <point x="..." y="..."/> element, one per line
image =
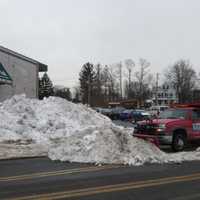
<point x="175" y="126"/>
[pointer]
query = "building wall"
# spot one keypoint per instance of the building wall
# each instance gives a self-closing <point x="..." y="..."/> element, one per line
<point x="24" y="75"/>
<point x="166" y="95"/>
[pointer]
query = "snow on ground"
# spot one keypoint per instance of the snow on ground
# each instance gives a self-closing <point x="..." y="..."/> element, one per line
<point x="70" y="132"/>
<point x="17" y="150"/>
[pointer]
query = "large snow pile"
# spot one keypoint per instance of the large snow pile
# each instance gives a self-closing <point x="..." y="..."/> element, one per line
<point x="22" y="118"/>
<point x="71" y="132"/>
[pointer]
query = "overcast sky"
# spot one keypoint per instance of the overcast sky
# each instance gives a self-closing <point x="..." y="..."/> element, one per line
<point x="64" y="34"/>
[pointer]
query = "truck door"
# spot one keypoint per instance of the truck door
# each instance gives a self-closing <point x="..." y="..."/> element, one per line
<point x="196" y="123"/>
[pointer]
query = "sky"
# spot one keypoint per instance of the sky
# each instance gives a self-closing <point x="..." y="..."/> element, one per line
<point x="65" y="34"/>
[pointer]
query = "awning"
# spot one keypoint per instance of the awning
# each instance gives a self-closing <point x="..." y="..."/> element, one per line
<point x="5" y="78"/>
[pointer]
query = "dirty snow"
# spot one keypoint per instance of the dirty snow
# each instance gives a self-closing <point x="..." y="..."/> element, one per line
<point x="15" y="150"/>
<point x="70" y="132"/>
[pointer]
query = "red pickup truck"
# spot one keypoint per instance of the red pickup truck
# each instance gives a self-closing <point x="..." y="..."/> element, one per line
<point x="175" y="126"/>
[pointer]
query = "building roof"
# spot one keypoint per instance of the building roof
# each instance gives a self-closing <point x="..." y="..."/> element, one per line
<point x="42" y="67"/>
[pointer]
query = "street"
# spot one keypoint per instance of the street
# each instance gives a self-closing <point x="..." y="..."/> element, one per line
<point x="41" y="178"/>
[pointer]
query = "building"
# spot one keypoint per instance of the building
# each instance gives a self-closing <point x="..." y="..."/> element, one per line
<point x="165" y="95"/>
<point x="18" y="74"/>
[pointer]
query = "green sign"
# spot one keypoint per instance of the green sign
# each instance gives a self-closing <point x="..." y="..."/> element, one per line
<point x="4" y="74"/>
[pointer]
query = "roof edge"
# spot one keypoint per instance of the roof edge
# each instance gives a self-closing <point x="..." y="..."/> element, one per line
<point x="42" y="67"/>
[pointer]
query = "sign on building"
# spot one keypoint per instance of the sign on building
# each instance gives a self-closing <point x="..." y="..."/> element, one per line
<point x="5" y="78"/>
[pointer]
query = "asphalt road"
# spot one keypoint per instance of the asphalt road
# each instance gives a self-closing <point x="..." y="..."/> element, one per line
<point x="43" y="179"/>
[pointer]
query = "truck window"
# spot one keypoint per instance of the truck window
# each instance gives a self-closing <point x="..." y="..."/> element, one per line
<point x="174" y="114"/>
<point x="196" y="115"/>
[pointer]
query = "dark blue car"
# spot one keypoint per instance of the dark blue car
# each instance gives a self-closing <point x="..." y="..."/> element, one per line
<point x="134" y="115"/>
<point x="126" y="115"/>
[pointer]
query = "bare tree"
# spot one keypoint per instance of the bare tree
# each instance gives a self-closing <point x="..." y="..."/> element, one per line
<point x="129" y="66"/>
<point x="129" y="89"/>
<point x="107" y="79"/>
<point x="97" y="86"/>
<point x="183" y="77"/>
<point x="110" y="83"/>
<point x="118" y="73"/>
<point x="143" y="77"/>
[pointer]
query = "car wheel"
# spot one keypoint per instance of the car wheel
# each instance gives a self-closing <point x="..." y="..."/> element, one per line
<point x="179" y="142"/>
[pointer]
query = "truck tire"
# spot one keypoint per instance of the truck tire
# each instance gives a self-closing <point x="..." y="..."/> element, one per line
<point x="179" y="142"/>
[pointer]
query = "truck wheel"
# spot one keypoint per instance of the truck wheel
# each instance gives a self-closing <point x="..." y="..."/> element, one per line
<point x="179" y="142"/>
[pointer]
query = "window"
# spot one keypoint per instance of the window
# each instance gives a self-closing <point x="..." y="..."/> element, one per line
<point x="196" y="115"/>
<point x="174" y="114"/>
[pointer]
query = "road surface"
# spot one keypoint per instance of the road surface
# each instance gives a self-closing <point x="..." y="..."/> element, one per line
<point x="43" y="179"/>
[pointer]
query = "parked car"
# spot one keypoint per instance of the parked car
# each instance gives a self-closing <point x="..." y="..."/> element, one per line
<point x="103" y="111"/>
<point x="98" y="109"/>
<point x="115" y="112"/>
<point x="126" y="114"/>
<point x="106" y="111"/>
<point x="134" y="115"/>
<point x="141" y="115"/>
<point x="176" y="127"/>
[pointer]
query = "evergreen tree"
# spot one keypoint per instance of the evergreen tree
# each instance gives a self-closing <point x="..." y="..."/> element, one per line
<point x="45" y="86"/>
<point x="86" y="78"/>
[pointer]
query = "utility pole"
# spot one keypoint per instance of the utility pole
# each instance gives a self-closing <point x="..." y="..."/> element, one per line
<point x="129" y="65"/>
<point x="157" y="79"/>
<point x="120" y="79"/>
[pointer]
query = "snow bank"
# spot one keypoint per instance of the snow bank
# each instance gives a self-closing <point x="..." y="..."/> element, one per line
<point x="75" y="133"/>
<point x="107" y="145"/>
<point x="18" y="150"/>
<point x="41" y="121"/>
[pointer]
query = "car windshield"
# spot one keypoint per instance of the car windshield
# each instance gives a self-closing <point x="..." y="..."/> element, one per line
<point x="173" y="114"/>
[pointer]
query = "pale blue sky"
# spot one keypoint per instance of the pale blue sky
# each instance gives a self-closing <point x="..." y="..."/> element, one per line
<point x="67" y="33"/>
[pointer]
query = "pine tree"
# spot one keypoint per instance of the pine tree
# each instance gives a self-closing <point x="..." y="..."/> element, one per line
<point x="45" y="86"/>
<point x="86" y="78"/>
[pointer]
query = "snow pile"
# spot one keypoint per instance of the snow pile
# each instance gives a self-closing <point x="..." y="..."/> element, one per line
<point x="107" y="145"/>
<point x="22" y="118"/>
<point x="18" y="150"/>
<point x="75" y="133"/>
